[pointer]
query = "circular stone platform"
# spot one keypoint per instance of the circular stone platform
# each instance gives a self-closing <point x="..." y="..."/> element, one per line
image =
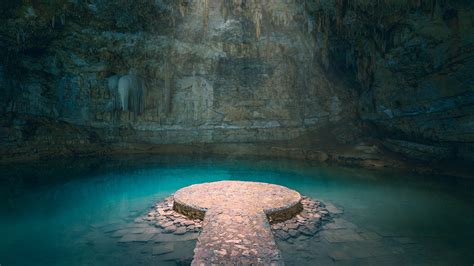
<point x="277" y="202"/>
<point x="236" y="216"/>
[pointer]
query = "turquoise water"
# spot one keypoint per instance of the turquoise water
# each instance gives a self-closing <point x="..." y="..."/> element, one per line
<point x="57" y="213"/>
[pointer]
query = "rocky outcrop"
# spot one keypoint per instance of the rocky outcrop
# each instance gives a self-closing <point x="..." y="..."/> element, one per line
<point x="413" y="61"/>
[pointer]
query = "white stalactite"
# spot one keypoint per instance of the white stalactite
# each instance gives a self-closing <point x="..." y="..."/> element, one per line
<point x="258" y="23"/>
<point x="123" y="91"/>
<point x="128" y="92"/>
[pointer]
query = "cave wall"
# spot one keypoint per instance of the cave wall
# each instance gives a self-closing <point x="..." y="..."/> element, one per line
<point x="414" y="61"/>
<point x="214" y="71"/>
<point x="239" y="71"/>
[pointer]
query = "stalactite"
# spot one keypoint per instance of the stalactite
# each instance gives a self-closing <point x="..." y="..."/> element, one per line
<point x="128" y="93"/>
<point x="224" y="10"/>
<point x="123" y="91"/>
<point x="319" y="23"/>
<point x="267" y="44"/>
<point x="238" y="5"/>
<point x="136" y="97"/>
<point x="341" y="6"/>
<point x="63" y="19"/>
<point x="325" y="49"/>
<point x="168" y="75"/>
<point x="309" y="24"/>
<point x="206" y="14"/>
<point x="112" y="84"/>
<point x="258" y="23"/>
<point x="434" y="7"/>
<point x="183" y="8"/>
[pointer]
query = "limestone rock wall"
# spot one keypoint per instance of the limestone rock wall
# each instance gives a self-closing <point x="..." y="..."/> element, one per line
<point x="414" y="63"/>
<point x="239" y="71"/>
<point x="213" y="71"/>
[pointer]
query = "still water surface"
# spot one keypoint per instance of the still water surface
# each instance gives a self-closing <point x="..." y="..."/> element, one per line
<point x="57" y="213"/>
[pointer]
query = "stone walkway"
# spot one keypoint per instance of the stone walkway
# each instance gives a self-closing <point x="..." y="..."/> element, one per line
<point x="164" y="236"/>
<point x="236" y="227"/>
<point x="318" y="235"/>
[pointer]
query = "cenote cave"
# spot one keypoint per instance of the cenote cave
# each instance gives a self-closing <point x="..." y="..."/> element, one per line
<point x="236" y="132"/>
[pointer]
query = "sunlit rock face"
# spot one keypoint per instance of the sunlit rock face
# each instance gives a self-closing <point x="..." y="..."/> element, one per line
<point x="240" y="71"/>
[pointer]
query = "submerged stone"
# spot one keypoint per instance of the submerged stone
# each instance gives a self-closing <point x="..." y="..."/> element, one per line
<point x="136" y="238"/>
<point x="180" y="231"/>
<point x="163" y="249"/>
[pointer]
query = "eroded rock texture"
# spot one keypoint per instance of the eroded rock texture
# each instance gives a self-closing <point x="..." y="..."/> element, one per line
<point x="414" y="63"/>
<point x="213" y="71"/>
<point x="237" y="71"/>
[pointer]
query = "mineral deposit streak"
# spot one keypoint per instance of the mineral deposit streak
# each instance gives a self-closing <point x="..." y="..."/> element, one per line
<point x="237" y="216"/>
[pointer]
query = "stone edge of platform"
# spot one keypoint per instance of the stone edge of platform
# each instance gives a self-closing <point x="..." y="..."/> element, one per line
<point x="284" y="213"/>
<point x="274" y="215"/>
<point x="190" y="211"/>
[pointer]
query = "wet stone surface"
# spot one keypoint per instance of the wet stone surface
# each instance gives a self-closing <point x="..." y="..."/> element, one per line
<point x="168" y="238"/>
<point x="171" y="222"/>
<point x="307" y="223"/>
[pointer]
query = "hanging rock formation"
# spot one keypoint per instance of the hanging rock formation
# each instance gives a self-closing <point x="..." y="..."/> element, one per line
<point x="414" y="63"/>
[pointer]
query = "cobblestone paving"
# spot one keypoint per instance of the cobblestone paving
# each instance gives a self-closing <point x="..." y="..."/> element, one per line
<point x="237" y="238"/>
<point x="235" y="228"/>
<point x="170" y="221"/>
<point x="236" y="223"/>
<point x="306" y="224"/>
